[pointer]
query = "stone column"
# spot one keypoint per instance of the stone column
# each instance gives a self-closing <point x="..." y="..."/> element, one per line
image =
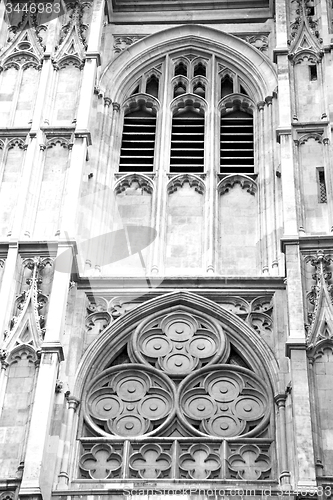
<point x="284" y="477"/>
<point x="7" y="293"/>
<point x="3" y="377"/>
<point x="73" y="404"/>
<point x="263" y="189"/>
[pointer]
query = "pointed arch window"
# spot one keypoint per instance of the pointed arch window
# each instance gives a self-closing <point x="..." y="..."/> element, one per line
<point x="138" y="139"/>
<point x="236" y="143"/>
<point x="187" y="139"/>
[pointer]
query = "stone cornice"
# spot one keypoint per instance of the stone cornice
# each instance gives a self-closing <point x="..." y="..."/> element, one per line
<point x="313" y="242"/>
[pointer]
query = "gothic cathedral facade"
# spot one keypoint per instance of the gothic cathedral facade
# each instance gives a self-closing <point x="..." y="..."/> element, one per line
<point x="166" y="251"/>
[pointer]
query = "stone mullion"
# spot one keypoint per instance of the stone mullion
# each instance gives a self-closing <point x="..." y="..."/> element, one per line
<point x="262" y="191"/>
<point x="35" y="188"/>
<point x="35" y="460"/>
<point x="272" y="209"/>
<point x="8" y="287"/>
<point x="299" y="185"/>
<point x="211" y="169"/>
<point x="41" y="94"/>
<point x="3" y="380"/>
<point x="163" y="161"/>
<point x="101" y="221"/>
<point x="328" y="169"/>
<point x="15" y="98"/>
<point x="317" y="438"/>
<point x="63" y="476"/>
<point x="284" y="476"/>
<point x="305" y="473"/>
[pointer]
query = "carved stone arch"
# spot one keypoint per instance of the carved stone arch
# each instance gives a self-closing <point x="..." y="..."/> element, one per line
<point x="125" y="182"/>
<point x="21" y="59"/>
<point x="68" y="60"/>
<point x="15" y="142"/>
<point x="53" y="141"/>
<point x="318" y="137"/>
<point x="247" y="61"/>
<point x="190" y="100"/>
<point x="153" y="72"/>
<point x="319" y="349"/>
<point x="178" y="182"/>
<point x="180" y="79"/>
<point x="17" y="352"/>
<point x="236" y="102"/>
<point x="307" y="55"/>
<point x="137" y="100"/>
<point x="244" y="181"/>
<point x="113" y="339"/>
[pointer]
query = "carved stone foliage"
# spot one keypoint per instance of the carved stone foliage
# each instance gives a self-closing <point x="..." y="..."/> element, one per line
<point x="257" y="313"/>
<point x="320" y="299"/>
<point x="26" y="39"/>
<point x="304" y="33"/>
<point x="127" y="401"/>
<point x="102" y="312"/>
<point x="178" y="343"/>
<point x="244" y="181"/>
<point x="258" y="40"/>
<point x="121" y="42"/>
<point x="72" y="40"/>
<point x="224" y="403"/>
<point x="181" y="459"/>
<point x="27" y="325"/>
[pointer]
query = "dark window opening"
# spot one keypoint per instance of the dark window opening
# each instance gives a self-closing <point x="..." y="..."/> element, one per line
<point x="181" y="69"/>
<point x="242" y="90"/>
<point x="237" y="148"/>
<point x="313" y="72"/>
<point x="138" y="141"/>
<point x="152" y="86"/>
<point x="227" y="86"/>
<point x="136" y="90"/>
<point x="187" y="142"/>
<point x="179" y="89"/>
<point x="322" y="186"/>
<point x="199" y="89"/>
<point x="200" y="69"/>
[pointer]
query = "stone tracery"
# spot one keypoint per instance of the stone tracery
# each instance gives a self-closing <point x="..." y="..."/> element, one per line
<point x="178" y="387"/>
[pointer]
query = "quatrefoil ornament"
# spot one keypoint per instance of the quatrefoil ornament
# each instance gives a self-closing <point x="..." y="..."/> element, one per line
<point x="179" y="343"/>
<point x="130" y="401"/>
<point x="224" y="402"/>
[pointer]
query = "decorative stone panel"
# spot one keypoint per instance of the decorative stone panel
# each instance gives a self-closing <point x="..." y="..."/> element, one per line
<point x="224" y="402"/>
<point x="129" y="401"/>
<point x="169" y="459"/>
<point x="178" y="343"/>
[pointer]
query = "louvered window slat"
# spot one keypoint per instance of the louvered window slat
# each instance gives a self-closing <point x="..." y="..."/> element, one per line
<point x="187" y="144"/>
<point x="237" y="144"/>
<point x="138" y="143"/>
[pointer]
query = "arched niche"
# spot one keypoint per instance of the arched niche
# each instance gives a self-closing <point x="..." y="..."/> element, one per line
<point x="185" y="225"/>
<point x="310" y="150"/>
<point x="52" y="182"/>
<point x="12" y="161"/>
<point x="15" y="413"/>
<point x="238" y="226"/>
<point x="67" y="85"/>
